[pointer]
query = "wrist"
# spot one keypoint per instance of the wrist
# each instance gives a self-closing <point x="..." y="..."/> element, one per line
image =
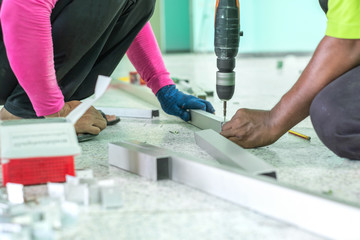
<point x="283" y="116"/>
<point x="53" y="115"/>
<point x="164" y="90"/>
<point x="61" y="113"/>
<point x="277" y="129"/>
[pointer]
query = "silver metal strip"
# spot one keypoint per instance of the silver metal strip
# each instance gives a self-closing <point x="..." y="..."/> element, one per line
<point x="228" y="153"/>
<point x="318" y="214"/>
<point x="130" y="112"/>
<point x="205" y="120"/>
<point x="142" y="161"/>
<point x="311" y="212"/>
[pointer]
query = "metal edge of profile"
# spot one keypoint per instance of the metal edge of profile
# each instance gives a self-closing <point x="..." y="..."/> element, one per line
<point x="228" y="153"/>
<point x="205" y="120"/>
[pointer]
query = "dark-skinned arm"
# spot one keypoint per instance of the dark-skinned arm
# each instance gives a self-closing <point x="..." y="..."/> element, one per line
<point x="255" y="128"/>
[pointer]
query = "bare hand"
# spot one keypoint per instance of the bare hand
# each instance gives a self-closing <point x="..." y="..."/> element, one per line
<point x="91" y="122"/>
<point x="251" y="128"/>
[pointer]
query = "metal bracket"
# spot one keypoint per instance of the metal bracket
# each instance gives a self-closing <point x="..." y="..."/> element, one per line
<point x="130" y="112"/>
<point x="228" y="153"/>
<point x="205" y="120"/>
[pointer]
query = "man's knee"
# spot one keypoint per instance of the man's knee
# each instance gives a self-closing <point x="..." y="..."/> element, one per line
<point x="336" y="128"/>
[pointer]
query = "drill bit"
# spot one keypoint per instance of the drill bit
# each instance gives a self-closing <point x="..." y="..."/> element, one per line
<point x="224" y="111"/>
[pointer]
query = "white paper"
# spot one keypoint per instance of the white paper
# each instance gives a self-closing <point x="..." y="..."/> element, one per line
<point x="39" y="140"/>
<point x="100" y="88"/>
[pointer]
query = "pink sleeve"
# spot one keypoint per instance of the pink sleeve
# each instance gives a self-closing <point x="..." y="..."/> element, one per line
<point x="27" y="37"/>
<point x="145" y="55"/>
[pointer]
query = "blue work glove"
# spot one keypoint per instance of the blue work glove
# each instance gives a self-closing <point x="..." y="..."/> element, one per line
<point x="175" y="102"/>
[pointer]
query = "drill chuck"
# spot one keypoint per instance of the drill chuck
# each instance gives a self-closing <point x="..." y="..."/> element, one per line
<point x="225" y="85"/>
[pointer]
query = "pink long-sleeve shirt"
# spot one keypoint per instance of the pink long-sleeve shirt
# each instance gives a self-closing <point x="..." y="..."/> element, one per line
<point x="27" y="37"/>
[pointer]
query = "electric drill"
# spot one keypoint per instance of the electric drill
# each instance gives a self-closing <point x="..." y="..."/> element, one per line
<point x="227" y="38"/>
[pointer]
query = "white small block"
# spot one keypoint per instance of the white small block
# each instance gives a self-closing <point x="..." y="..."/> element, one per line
<point x="56" y="190"/>
<point x="42" y="231"/>
<point x="50" y="212"/>
<point x="77" y="193"/>
<point x="88" y="181"/>
<point x="107" y="182"/>
<point x="87" y="173"/>
<point x="94" y="194"/>
<point x="15" y="193"/>
<point x="24" y="219"/>
<point x="10" y="227"/>
<point x="72" y="179"/>
<point x="17" y="209"/>
<point x="3" y="195"/>
<point x="70" y="212"/>
<point x="111" y="197"/>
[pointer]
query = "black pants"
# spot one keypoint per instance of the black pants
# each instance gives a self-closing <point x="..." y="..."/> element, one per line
<point x="335" y="114"/>
<point x="90" y="38"/>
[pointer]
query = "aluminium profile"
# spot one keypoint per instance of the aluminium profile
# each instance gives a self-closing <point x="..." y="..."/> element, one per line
<point x="148" y="163"/>
<point x="205" y="120"/>
<point x="130" y="112"/>
<point x="316" y="213"/>
<point x="228" y="153"/>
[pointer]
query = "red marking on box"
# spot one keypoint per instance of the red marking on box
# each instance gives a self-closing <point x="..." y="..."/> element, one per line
<point x="38" y="170"/>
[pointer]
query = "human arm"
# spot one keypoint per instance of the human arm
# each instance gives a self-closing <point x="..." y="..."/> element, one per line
<point x="145" y="55"/>
<point x="332" y="58"/>
<point x="27" y="37"/>
<point x="337" y="53"/>
<point x="28" y="40"/>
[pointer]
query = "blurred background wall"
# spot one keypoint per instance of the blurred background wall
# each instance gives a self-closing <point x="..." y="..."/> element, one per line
<point x="270" y="26"/>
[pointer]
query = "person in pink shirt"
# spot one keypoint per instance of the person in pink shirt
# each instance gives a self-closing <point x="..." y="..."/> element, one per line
<point x="52" y="51"/>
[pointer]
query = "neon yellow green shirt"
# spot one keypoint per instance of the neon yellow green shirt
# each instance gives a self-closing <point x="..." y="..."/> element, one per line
<point x="343" y="19"/>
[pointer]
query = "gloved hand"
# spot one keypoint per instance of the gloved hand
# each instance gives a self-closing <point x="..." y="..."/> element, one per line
<point x="177" y="103"/>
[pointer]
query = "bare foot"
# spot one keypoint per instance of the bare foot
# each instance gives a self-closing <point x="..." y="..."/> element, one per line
<point x="5" y="115"/>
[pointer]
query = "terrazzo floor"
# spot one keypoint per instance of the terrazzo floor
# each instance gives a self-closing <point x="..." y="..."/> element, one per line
<point x="167" y="210"/>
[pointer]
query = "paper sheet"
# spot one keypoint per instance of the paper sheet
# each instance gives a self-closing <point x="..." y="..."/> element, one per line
<point x="101" y="86"/>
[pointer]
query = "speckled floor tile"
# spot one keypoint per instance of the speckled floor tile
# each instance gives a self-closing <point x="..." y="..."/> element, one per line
<point x="167" y="210"/>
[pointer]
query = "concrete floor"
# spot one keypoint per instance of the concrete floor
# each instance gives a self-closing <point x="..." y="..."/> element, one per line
<point x="167" y="210"/>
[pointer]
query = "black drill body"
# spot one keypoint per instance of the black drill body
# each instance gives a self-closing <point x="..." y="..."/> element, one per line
<point x="227" y="38"/>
